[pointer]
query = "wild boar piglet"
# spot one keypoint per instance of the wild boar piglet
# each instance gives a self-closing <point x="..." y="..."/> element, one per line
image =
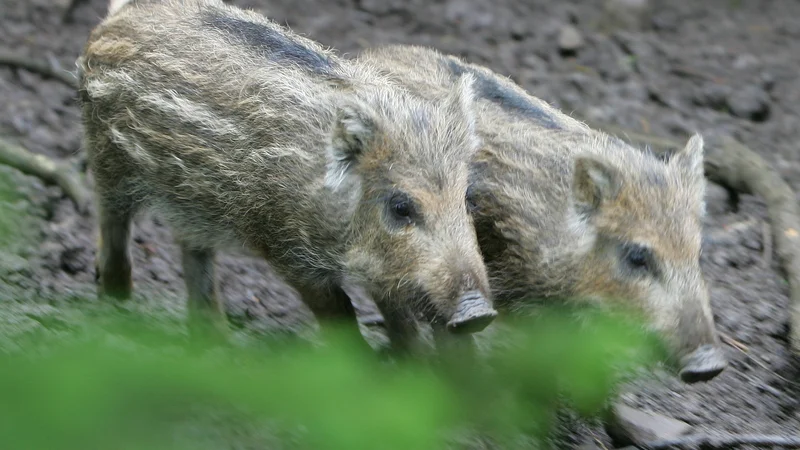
<point x="567" y="212"/>
<point x="241" y="133"/>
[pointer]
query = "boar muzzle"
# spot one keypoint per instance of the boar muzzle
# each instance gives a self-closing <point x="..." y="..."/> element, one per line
<point x="473" y="314"/>
<point x="705" y="363"/>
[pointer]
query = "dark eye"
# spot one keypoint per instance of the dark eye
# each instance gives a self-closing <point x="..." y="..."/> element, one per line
<point x="401" y="208"/>
<point x="638" y="257"/>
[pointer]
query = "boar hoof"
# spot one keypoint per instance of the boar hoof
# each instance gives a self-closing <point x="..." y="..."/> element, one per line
<point x="472" y="315"/>
<point x="703" y="364"/>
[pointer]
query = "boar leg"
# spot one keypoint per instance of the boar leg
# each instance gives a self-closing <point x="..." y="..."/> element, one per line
<point x="206" y="312"/>
<point x="113" y="264"/>
<point x="333" y="309"/>
<point x="401" y="328"/>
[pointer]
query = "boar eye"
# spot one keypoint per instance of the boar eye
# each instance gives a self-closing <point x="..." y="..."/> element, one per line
<point x="401" y="208"/>
<point x="638" y="257"/>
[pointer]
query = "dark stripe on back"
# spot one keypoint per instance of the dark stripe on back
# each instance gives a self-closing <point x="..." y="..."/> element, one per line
<point x="269" y="41"/>
<point x="489" y="89"/>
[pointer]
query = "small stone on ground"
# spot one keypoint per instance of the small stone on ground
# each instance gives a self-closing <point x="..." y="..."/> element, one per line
<point x="634" y="426"/>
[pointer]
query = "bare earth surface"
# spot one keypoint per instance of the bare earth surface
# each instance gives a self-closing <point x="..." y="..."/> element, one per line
<point x="710" y="65"/>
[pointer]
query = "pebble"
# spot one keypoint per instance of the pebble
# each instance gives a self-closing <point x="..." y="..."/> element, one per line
<point x="745" y="61"/>
<point x="714" y="96"/>
<point x="570" y="40"/>
<point x="634" y="426"/>
<point x="750" y="102"/>
<point x="767" y="81"/>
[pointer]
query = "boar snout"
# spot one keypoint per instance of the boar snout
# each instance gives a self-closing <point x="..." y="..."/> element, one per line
<point x="473" y="314"/>
<point x="705" y="363"/>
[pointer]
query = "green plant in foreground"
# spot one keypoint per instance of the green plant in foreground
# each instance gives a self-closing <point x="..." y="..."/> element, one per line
<point x="121" y="383"/>
<point x="95" y="393"/>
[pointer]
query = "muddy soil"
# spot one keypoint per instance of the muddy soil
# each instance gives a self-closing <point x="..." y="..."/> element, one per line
<point x="721" y="65"/>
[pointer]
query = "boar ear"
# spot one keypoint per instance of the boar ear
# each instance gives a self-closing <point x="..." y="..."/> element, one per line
<point x="462" y="95"/>
<point x="689" y="161"/>
<point x="353" y="131"/>
<point x="594" y="182"/>
<point x="460" y="102"/>
<point x="690" y="158"/>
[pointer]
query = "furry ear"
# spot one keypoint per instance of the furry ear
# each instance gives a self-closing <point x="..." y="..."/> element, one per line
<point x="689" y="161"/>
<point x="594" y="182"/>
<point x="460" y="102"/>
<point x="690" y="158"/>
<point x="353" y="131"/>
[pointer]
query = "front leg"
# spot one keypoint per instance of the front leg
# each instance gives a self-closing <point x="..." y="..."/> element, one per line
<point x="334" y="310"/>
<point x="402" y="330"/>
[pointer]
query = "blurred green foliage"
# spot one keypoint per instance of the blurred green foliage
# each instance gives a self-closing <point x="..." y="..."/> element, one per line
<point x="132" y="391"/>
<point x="121" y="382"/>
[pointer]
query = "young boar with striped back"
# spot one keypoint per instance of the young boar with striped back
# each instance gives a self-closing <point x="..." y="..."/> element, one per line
<point x="564" y="211"/>
<point x="242" y="133"/>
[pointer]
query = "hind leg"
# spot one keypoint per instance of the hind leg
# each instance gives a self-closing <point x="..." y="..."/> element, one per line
<point x="206" y="312"/>
<point x="113" y="264"/>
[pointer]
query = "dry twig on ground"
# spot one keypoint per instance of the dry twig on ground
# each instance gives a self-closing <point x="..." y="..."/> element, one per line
<point x="741" y="170"/>
<point x="51" y="172"/>
<point x="724" y="442"/>
<point x="41" y="67"/>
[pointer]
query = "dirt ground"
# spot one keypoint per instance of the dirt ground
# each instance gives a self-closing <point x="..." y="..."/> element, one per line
<point x="723" y="65"/>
